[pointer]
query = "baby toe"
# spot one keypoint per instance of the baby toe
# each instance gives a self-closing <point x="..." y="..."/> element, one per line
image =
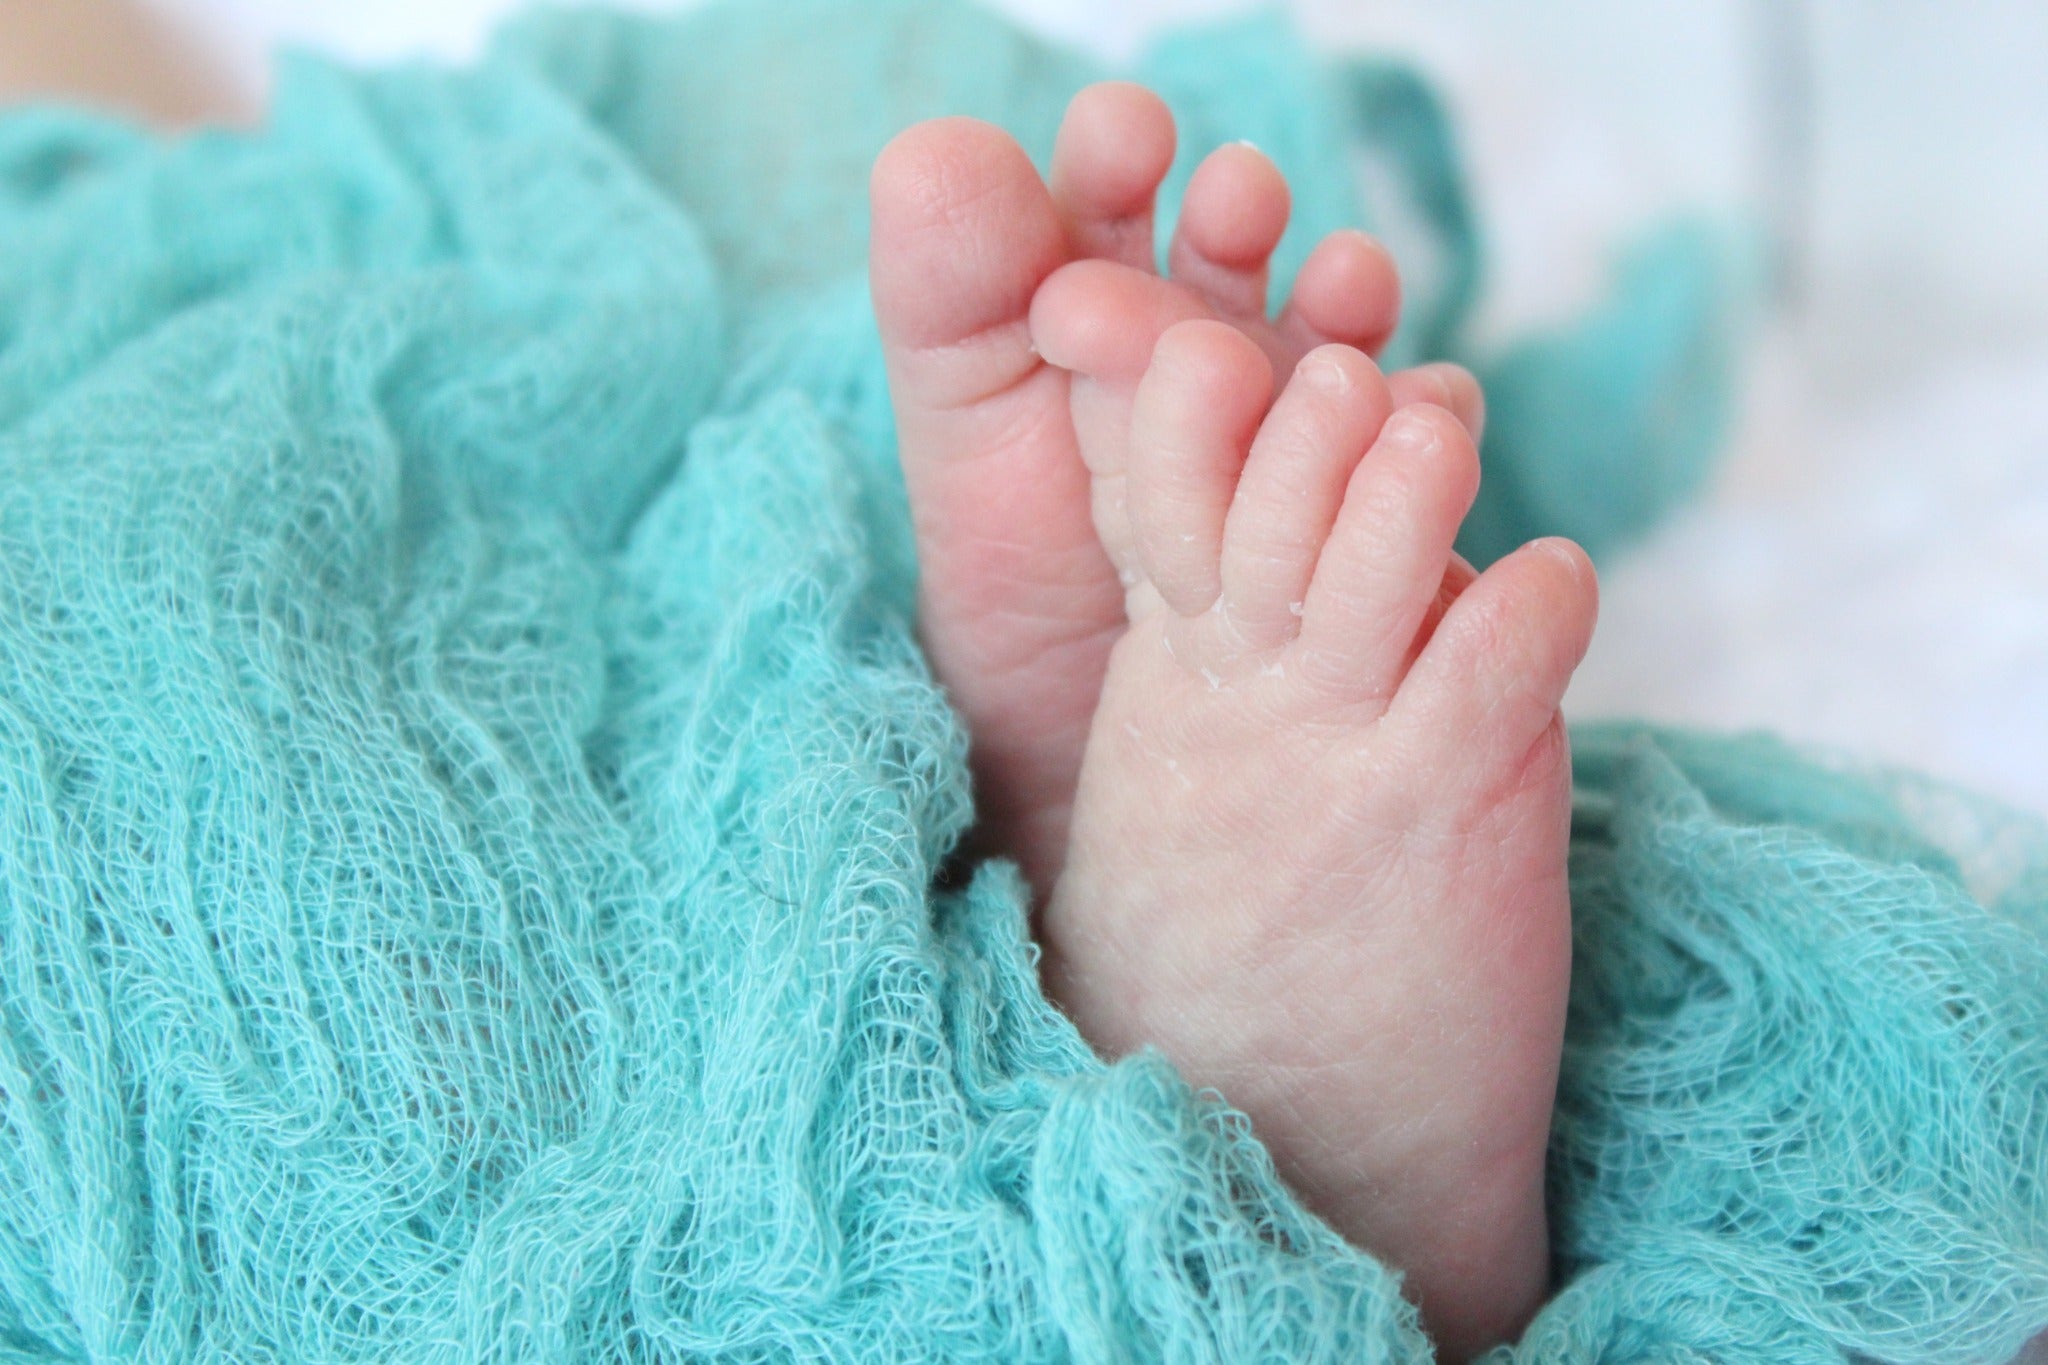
<point x="1448" y="386"/>
<point x="1231" y="218"/>
<point x="1292" y="486"/>
<point x="1489" y="683"/>
<point x="1113" y="149"/>
<point x="1193" y="417"/>
<point x="1387" y="562"/>
<point x="1103" y="320"/>
<point x="1347" y="291"/>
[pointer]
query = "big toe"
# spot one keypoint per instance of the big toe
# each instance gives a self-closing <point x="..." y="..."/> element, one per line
<point x="1017" y="601"/>
<point x="963" y="233"/>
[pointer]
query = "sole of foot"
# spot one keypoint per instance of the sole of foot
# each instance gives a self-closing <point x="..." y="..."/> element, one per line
<point x="1019" y="605"/>
<point x="1288" y="775"/>
<point x="1318" y="852"/>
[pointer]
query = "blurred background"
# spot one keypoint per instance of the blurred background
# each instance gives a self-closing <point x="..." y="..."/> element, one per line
<point x="1869" y="569"/>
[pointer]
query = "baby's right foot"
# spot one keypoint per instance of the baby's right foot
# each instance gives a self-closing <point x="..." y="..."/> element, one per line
<point x="1019" y="605"/>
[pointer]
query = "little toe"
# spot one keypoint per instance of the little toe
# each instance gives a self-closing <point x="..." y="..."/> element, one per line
<point x="1231" y="218"/>
<point x="1347" y="290"/>
<point x="1292" y="486"/>
<point x="1114" y="147"/>
<point x="1495" y="671"/>
<point x="1194" y="416"/>
<point x="1448" y="386"/>
<point x="1389" y="565"/>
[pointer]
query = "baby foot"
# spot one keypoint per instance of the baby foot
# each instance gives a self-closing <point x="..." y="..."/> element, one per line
<point x="1318" y="850"/>
<point x="1414" y="1118"/>
<point x="1019" y="606"/>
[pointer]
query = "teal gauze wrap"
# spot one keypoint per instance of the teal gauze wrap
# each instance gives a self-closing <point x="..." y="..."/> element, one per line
<point x="469" y="797"/>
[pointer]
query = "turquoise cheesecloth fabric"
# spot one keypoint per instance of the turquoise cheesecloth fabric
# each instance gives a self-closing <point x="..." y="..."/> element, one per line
<point x="470" y="799"/>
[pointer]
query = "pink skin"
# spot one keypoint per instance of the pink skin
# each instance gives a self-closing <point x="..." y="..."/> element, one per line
<point x="1019" y="603"/>
<point x="1289" y="776"/>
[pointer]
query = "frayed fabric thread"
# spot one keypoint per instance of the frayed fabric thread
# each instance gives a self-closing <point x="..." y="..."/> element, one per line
<point x="470" y="800"/>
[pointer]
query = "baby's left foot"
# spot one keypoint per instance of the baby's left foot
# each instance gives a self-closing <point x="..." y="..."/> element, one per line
<point x="1318" y="850"/>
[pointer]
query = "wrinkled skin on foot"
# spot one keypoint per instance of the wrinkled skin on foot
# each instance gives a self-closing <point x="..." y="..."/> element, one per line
<point x="1289" y="776"/>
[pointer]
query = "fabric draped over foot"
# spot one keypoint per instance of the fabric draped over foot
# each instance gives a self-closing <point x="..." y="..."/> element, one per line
<point x="469" y="801"/>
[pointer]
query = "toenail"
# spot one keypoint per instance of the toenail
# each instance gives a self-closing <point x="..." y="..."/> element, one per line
<point x="1411" y="432"/>
<point x="1325" y="373"/>
<point x="1563" y="551"/>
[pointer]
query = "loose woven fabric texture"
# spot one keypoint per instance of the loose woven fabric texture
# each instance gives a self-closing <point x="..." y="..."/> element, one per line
<point x="470" y="797"/>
